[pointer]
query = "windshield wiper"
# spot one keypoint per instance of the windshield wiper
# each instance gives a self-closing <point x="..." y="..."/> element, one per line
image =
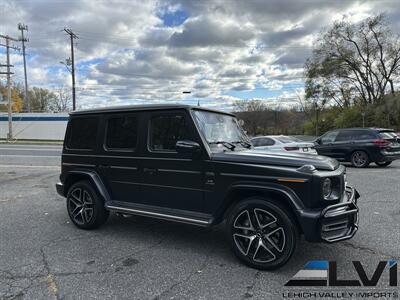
<point x="228" y="145"/>
<point x="243" y="143"/>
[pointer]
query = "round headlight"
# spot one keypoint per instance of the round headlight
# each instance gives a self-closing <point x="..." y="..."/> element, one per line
<point x="327" y="188"/>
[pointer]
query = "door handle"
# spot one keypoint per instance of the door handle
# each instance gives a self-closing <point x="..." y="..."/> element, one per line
<point x="150" y="171"/>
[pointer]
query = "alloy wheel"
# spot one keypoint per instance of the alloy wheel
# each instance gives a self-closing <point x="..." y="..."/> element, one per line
<point x="80" y="205"/>
<point x="359" y="158"/>
<point x="258" y="235"/>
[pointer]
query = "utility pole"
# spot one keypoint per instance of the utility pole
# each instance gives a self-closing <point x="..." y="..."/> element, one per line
<point x="8" y="73"/>
<point x="72" y="37"/>
<point x="23" y="27"/>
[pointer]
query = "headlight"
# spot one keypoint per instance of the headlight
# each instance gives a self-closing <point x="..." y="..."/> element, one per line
<point x="327" y="188"/>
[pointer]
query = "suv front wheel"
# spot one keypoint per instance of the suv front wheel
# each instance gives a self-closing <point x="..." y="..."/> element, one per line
<point x="261" y="233"/>
<point x="85" y="207"/>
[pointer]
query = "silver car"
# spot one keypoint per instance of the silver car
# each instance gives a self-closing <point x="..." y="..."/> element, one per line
<point x="282" y="143"/>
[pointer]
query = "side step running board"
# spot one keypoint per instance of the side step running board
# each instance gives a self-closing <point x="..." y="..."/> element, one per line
<point x="169" y="217"/>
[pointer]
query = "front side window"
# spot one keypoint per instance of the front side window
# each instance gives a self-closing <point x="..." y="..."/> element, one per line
<point x="220" y="129"/>
<point x="329" y="137"/>
<point x="82" y="133"/>
<point x="166" y="130"/>
<point x="122" y="133"/>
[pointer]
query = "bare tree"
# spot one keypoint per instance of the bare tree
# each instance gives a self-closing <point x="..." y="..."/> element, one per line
<point x="62" y="102"/>
<point x="354" y="62"/>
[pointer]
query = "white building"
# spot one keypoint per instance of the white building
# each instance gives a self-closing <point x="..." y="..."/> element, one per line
<point x="35" y="126"/>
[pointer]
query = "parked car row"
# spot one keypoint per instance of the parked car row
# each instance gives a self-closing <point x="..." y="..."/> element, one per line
<point x="359" y="146"/>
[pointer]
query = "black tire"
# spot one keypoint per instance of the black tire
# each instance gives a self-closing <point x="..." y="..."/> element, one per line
<point x="383" y="163"/>
<point x="360" y="159"/>
<point x="85" y="206"/>
<point x="261" y="233"/>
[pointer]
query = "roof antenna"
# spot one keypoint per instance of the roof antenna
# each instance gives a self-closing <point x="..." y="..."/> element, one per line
<point x="198" y="102"/>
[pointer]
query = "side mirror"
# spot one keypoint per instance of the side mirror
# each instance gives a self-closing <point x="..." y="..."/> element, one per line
<point x="317" y="141"/>
<point x="187" y="146"/>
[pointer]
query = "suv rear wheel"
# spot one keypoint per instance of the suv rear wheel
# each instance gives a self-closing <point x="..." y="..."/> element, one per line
<point x="383" y="163"/>
<point x="85" y="207"/>
<point x="261" y="234"/>
<point x="360" y="159"/>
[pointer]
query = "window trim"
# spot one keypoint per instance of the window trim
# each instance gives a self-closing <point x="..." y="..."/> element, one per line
<point x="120" y="150"/>
<point x="158" y="114"/>
<point x="69" y="133"/>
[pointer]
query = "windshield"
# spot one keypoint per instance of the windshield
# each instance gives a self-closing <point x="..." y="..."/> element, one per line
<point x="388" y="134"/>
<point x="219" y="128"/>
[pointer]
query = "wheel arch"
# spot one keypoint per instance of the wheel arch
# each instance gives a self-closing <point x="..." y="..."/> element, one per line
<point x="91" y="176"/>
<point x="277" y="194"/>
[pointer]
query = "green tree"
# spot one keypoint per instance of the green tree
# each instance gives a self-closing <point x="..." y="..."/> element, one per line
<point x="41" y="99"/>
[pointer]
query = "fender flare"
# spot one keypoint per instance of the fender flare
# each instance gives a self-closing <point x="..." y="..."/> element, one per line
<point x="288" y="194"/>
<point x="94" y="179"/>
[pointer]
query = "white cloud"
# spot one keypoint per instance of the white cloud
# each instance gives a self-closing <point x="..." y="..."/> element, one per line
<point x="125" y="54"/>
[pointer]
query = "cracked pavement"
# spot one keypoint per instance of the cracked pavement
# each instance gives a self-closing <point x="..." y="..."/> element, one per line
<point x="43" y="256"/>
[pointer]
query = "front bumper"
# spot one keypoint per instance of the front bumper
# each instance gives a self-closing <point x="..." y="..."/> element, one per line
<point x="334" y="223"/>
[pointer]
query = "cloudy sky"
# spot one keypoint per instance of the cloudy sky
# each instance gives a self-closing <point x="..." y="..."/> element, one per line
<point x="131" y="52"/>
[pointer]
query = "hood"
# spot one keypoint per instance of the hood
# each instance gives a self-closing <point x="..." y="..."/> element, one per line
<point x="294" y="160"/>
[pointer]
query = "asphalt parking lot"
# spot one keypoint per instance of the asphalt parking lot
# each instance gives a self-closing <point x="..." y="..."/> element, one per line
<point x="43" y="256"/>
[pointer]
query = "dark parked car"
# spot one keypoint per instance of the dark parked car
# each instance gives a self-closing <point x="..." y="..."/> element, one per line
<point x="360" y="146"/>
<point x="196" y="166"/>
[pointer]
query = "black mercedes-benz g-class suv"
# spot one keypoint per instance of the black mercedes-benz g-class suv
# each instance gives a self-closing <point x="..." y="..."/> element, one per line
<point x="197" y="166"/>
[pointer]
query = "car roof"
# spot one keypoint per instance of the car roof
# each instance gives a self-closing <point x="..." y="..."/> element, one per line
<point x="148" y="107"/>
<point x="269" y="136"/>
<point x="365" y="128"/>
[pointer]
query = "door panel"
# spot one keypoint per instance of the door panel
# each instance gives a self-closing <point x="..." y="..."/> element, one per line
<point x="119" y="163"/>
<point x="175" y="183"/>
<point x="171" y="179"/>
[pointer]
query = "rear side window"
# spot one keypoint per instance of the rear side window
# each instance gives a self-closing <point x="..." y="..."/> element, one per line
<point x="266" y="142"/>
<point x="166" y="130"/>
<point x="122" y="133"/>
<point x="363" y="135"/>
<point x="82" y="133"/>
<point x="345" y="135"/>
